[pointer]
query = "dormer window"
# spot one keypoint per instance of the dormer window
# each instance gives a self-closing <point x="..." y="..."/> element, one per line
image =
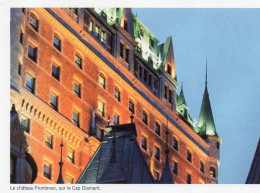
<point x="169" y="69"/>
<point x="125" y="25"/>
<point x="97" y="31"/>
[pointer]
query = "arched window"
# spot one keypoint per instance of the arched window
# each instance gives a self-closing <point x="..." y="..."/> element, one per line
<point x="131" y="106"/>
<point x="145" y="117"/>
<point x="201" y="166"/>
<point x="212" y="172"/>
<point x="157" y="128"/>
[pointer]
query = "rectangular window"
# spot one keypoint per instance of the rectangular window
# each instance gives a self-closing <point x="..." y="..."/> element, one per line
<point x="75" y="118"/>
<point x="34" y="22"/>
<point x="78" y="61"/>
<point x="117" y="94"/>
<point x="131" y="107"/>
<point x="21" y="37"/>
<point x="157" y="153"/>
<point x="175" y="144"/>
<point x="77" y="89"/>
<point x="125" y="25"/>
<point x="97" y="31"/>
<point x="201" y="166"/>
<point x="155" y="84"/>
<point x="103" y="36"/>
<point x="144" y="118"/>
<point x="32" y="53"/>
<point x="115" y="119"/>
<point x="157" y="128"/>
<point x="102" y="81"/>
<point x="145" y="75"/>
<point x="91" y="24"/>
<point x="54" y="101"/>
<point x="70" y="155"/>
<point x="189" y="156"/>
<point x="140" y="72"/>
<point x="30" y="83"/>
<point x="144" y="143"/>
<point x="170" y="96"/>
<point x="47" y="170"/>
<point x="188" y="178"/>
<point x="57" y="43"/>
<point x="169" y="69"/>
<point x="165" y="91"/>
<point x="48" y="140"/>
<point x="56" y="71"/>
<point x="121" y="50"/>
<point x="150" y="80"/>
<point x="127" y="51"/>
<point x="20" y="66"/>
<point x="101" y="108"/>
<point x="136" y="68"/>
<point x="69" y="180"/>
<point x="175" y="167"/>
<point x="25" y="122"/>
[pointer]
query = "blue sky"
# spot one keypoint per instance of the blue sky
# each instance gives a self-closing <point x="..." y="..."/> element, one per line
<point x="230" y="41"/>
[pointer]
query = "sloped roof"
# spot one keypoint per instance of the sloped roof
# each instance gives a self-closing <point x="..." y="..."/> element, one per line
<point x="206" y="125"/>
<point x="130" y="165"/>
<point x="164" y="48"/>
<point x="181" y="99"/>
<point x="254" y="172"/>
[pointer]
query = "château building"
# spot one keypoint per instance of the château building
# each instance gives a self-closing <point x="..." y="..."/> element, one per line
<point x="73" y="70"/>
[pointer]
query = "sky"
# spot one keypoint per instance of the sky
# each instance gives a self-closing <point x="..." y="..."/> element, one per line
<point x="229" y="39"/>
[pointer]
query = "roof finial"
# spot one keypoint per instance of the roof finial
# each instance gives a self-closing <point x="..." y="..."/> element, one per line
<point x="60" y="179"/>
<point x="206" y="74"/>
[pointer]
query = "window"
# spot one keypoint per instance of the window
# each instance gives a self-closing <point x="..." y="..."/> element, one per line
<point x="69" y="180"/>
<point x="55" y="71"/>
<point x="145" y="75"/>
<point x="140" y="72"/>
<point x="48" y="140"/>
<point x="25" y="122"/>
<point x="188" y="178"/>
<point x="144" y="143"/>
<point x="78" y="61"/>
<point x="156" y="175"/>
<point x="74" y="10"/>
<point x="30" y="83"/>
<point x="97" y="31"/>
<point x="151" y="42"/>
<point x="57" y="42"/>
<point x="169" y="69"/>
<point x="125" y="25"/>
<point x="117" y="94"/>
<point x="91" y="24"/>
<point x="175" y="144"/>
<point x="115" y="119"/>
<point x="32" y="52"/>
<point x="121" y="50"/>
<point x="20" y="66"/>
<point x="157" y="153"/>
<point x="101" y="106"/>
<point x="175" y="167"/>
<point x="150" y="80"/>
<point x="131" y="106"/>
<point x="217" y="145"/>
<point x="170" y="96"/>
<point x="201" y="166"/>
<point x="102" y="81"/>
<point x="165" y="91"/>
<point x="70" y="155"/>
<point x="21" y="36"/>
<point x="103" y="36"/>
<point x="47" y="170"/>
<point x="189" y="156"/>
<point x="54" y="101"/>
<point x="212" y="172"/>
<point x="77" y="89"/>
<point x="144" y="118"/>
<point x="127" y="51"/>
<point x="157" y="128"/>
<point x="34" y="22"/>
<point x="75" y="118"/>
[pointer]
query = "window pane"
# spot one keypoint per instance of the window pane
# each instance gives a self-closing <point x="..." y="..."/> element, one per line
<point x="75" y="118"/>
<point x="101" y="108"/>
<point x="78" y="61"/>
<point x="102" y="81"/>
<point x="56" y="43"/>
<point x="121" y="50"/>
<point x="54" y="101"/>
<point x="131" y="107"/>
<point x="32" y="53"/>
<point x="34" y="22"/>
<point x="117" y="94"/>
<point x="77" y="89"/>
<point x="175" y="167"/>
<point x="144" y="146"/>
<point x="48" y="140"/>
<point x="30" y="83"/>
<point x="70" y="155"/>
<point x="144" y="118"/>
<point x="56" y="72"/>
<point x="157" y="128"/>
<point x="157" y="153"/>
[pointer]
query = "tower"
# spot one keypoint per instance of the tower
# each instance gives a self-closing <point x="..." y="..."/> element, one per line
<point x="207" y="130"/>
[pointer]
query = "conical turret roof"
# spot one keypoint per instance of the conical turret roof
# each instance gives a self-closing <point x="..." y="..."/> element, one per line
<point x="181" y="99"/>
<point x="206" y="125"/>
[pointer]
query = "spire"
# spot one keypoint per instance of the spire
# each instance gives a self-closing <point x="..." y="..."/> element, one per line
<point x="181" y="99"/>
<point x="60" y="179"/>
<point x="206" y="80"/>
<point x="166" y="174"/>
<point x="206" y="125"/>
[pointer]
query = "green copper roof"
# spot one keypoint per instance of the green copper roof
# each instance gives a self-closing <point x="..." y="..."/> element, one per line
<point x="206" y="125"/>
<point x="181" y="99"/>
